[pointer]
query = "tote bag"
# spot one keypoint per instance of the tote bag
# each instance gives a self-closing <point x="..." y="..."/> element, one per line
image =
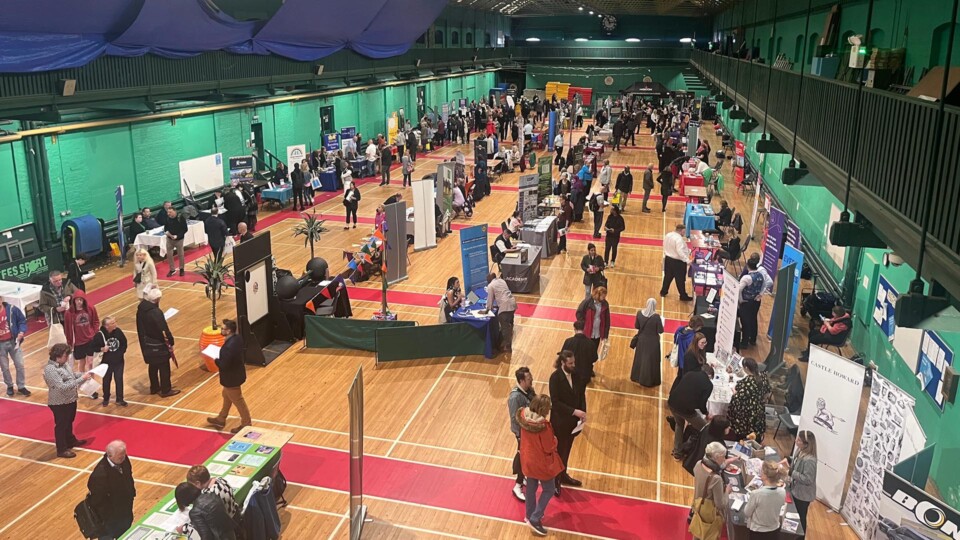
<point x="706" y="522"/>
<point x="56" y="333"/>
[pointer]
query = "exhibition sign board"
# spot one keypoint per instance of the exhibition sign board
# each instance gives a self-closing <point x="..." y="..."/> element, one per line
<point x="883" y="309"/>
<point x="906" y="511"/>
<point x="529" y="185"/>
<point x="424" y="225"/>
<point x="778" y="319"/>
<point x="445" y="175"/>
<point x="793" y="234"/>
<point x="331" y="142"/>
<point x="740" y="151"/>
<point x="791" y="256"/>
<point x="935" y="358"/>
<point x="473" y="256"/>
<point x="241" y="168"/>
<point x="295" y="154"/>
<point x="727" y="317"/>
<point x="831" y="408"/>
<point x="545" y="169"/>
<point x="880" y="442"/>
<point x="773" y="242"/>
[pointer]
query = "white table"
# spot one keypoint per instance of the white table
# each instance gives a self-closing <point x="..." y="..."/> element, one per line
<point x="155" y="238"/>
<point x="724" y="385"/>
<point x="20" y="294"/>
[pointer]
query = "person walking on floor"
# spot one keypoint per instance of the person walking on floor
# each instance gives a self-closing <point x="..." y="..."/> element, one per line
<point x="501" y="298"/>
<point x="666" y="181"/>
<point x="156" y="343"/>
<point x="519" y="397"/>
<point x="617" y="134"/>
<point x="175" y="230"/>
<point x="144" y="272"/>
<point x="676" y="255"/>
<point x="13" y="328"/>
<point x="592" y="266"/>
<point x="624" y="186"/>
<point x="112" y="342"/>
<point x="386" y="161"/>
<point x="80" y="324"/>
<point x="216" y="231"/>
<point x="802" y="474"/>
<point x="558" y="146"/>
<point x="688" y="403"/>
<point x="112" y="491"/>
<point x="62" y="384"/>
<point x="647" y="186"/>
<point x="606" y="173"/>
<point x="752" y="285"/>
<point x="584" y="351"/>
<point x="595" y="314"/>
<point x="613" y="227"/>
<point x="763" y="508"/>
<point x="597" y="202"/>
<point x="299" y="181"/>
<point x="351" y="201"/>
<point x="646" y="354"/>
<point x="569" y="409"/>
<point x="233" y="374"/>
<point x="406" y="167"/>
<point x="539" y="459"/>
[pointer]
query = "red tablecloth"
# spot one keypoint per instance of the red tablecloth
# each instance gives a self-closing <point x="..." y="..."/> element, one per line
<point x="690" y="179"/>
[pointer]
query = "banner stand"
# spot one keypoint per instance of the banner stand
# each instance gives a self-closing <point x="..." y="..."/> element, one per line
<point x="424" y="225"/>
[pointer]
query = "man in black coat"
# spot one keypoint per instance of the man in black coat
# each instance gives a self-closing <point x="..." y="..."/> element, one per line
<point x="618" y="127"/>
<point x="216" y="231"/>
<point x="112" y="491"/>
<point x="624" y="186"/>
<point x="233" y="374"/>
<point x="156" y="342"/>
<point x="568" y="392"/>
<point x="647" y="186"/>
<point x="584" y="352"/>
<point x="235" y="208"/>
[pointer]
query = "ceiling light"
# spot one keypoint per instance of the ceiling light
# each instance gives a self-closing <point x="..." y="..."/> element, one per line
<point x="533" y="39"/>
<point x="632" y="40"/>
<point x="687" y="40"/>
<point x="591" y="13"/>
<point x="581" y="39"/>
<point x="600" y="15"/>
<point x="580" y="8"/>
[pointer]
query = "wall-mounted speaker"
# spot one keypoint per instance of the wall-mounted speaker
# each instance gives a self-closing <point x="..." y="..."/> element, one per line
<point x="67" y="87"/>
<point x="950" y="382"/>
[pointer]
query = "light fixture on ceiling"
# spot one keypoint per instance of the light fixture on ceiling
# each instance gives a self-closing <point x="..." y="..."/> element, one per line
<point x="580" y="8"/>
<point x="591" y="13"/>
<point x="581" y="39"/>
<point x="633" y="40"/>
<point x="687" y="40"/>
<point x="533" y="39"/>
<point x="600" y="15"/>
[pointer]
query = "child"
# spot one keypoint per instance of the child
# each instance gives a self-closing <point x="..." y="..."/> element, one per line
<point x="113" y="343"/>
<point x="763" y="508"/>
<point x="76" y="272"/>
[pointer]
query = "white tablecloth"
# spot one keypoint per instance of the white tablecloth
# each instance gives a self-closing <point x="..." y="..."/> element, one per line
<point x="723" y="386"/>
<point x="194" y="237"/>
<point x="20" y="294"/>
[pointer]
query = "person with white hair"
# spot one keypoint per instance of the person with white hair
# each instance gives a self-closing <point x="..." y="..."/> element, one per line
<point x="112" y="491"/>
<point x="708" y="486"/>
<point x="646" y="345"/>
<point x="156" y="342"/>
<point x="144" y="272"/>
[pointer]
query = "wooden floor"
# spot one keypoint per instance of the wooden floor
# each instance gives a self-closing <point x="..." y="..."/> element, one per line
<point x="449" y="412"/>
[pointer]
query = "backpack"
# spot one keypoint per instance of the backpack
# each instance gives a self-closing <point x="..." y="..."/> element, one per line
<point x="593" y="204"/>
<point x="755" y="287"/>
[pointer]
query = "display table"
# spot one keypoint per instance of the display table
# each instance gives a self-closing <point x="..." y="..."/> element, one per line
<point x="19" y="294"/>
<point x="706" y="276"/>
<point x="550" y="206"/>
<point x="485" y="323"/>
<point x="278" y="195"/>
<point x="522" y="277"/>
<point x="543" y="233"/>
<point x="737" y="522"/>
<point x="328" y="180"/>
<point x="723" y="386"/>
<point x="702" y="307"/>
<point x="594" y="148"/>
<point x="696" y="194"/>
<point x="699" y="217"/>
<point x="252" y="454"/>
<point x="359" y="167"/>
<point x="689" y="179"/>
<point x="155" y="238"/>
<point x="605" y="135"/>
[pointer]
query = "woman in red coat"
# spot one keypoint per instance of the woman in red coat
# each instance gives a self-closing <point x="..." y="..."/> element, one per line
<point x="539" y="459"/>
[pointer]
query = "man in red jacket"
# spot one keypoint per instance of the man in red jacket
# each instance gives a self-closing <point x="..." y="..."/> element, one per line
<point x="81" y="324"/>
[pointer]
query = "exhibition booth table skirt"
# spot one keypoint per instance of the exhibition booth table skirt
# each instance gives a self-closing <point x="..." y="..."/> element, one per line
<point x="522" y="277"/>
<point x="20" y="294"/>
<point x="194" y="237"/>
<point x="328" y="180"/>
<point x="699" y="217"/>
<point x="487" y="324"/>
<point x="251" y="455"/>
<point x="543" y="234"/>
<point x="709" y="330"/>
<point x="279" y="195"/>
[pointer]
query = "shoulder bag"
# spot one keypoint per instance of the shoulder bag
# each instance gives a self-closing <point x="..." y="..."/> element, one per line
<point x="706" y="522"/>
<point x="57" y="334"/>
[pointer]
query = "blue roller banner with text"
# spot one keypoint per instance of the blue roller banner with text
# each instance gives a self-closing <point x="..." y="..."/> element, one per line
<point x="791" y="255"/>
<point x="473" y="254"/>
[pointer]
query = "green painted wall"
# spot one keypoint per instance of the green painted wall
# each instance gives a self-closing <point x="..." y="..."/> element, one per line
<point x="86" y="167"/>
<point x="919" y="27"/>
<point x="809" y="207"/>
<point x="587" y="76"/>
<point x="462" y="27"/>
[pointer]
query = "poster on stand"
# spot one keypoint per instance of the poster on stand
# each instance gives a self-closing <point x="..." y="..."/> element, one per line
<point x="331" y="142"/>
<point x="727" y="317"/>
<point x="880" y="443"/>
<point x="793" y="234"/>
<point x="773" y="242"/>
<point x="791" y="256"/>
<point x="445" y="175"/>
<point x="473" y="257"/>
<point x="545" y="169"/>
<point x="424" y="220"/>
<point x="481" y="181"/>
<point x="393" y="125"/>
<point x="883" y="308"/>
<point x="907" y="511"/>
<point x="296" y="154"/>
<point x="241" y="168"/>
<point x="529" y="184"/>
<point x="831" y="408"/>
<point x="740" y="151"/>
<point x="935" y="358"/>
<point x="756" y="205"/>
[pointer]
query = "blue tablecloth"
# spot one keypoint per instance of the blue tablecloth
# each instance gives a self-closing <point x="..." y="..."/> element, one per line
<point x="699" y="217"/>
<point x="280" y="195"/>
<point x="488" y="325"/>
<point x="328" y="180"/>
<point x="361" y="168"/>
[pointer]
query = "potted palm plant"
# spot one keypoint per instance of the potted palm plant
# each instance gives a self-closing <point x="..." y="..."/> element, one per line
<point x="310" y="229"/>
<point x="216" y="276"/>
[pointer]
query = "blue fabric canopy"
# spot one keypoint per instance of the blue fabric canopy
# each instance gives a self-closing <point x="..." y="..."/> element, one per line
<point x="45" y="35"/>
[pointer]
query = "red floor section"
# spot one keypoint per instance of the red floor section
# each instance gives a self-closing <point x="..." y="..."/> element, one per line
<point x="576" y="511"/>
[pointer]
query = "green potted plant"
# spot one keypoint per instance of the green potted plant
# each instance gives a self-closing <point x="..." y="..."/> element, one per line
<point x="310" y="229"/>
<point x="216" y="276"/>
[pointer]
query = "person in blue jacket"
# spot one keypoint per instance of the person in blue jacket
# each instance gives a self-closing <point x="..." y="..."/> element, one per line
<point x="13" y="328"/>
